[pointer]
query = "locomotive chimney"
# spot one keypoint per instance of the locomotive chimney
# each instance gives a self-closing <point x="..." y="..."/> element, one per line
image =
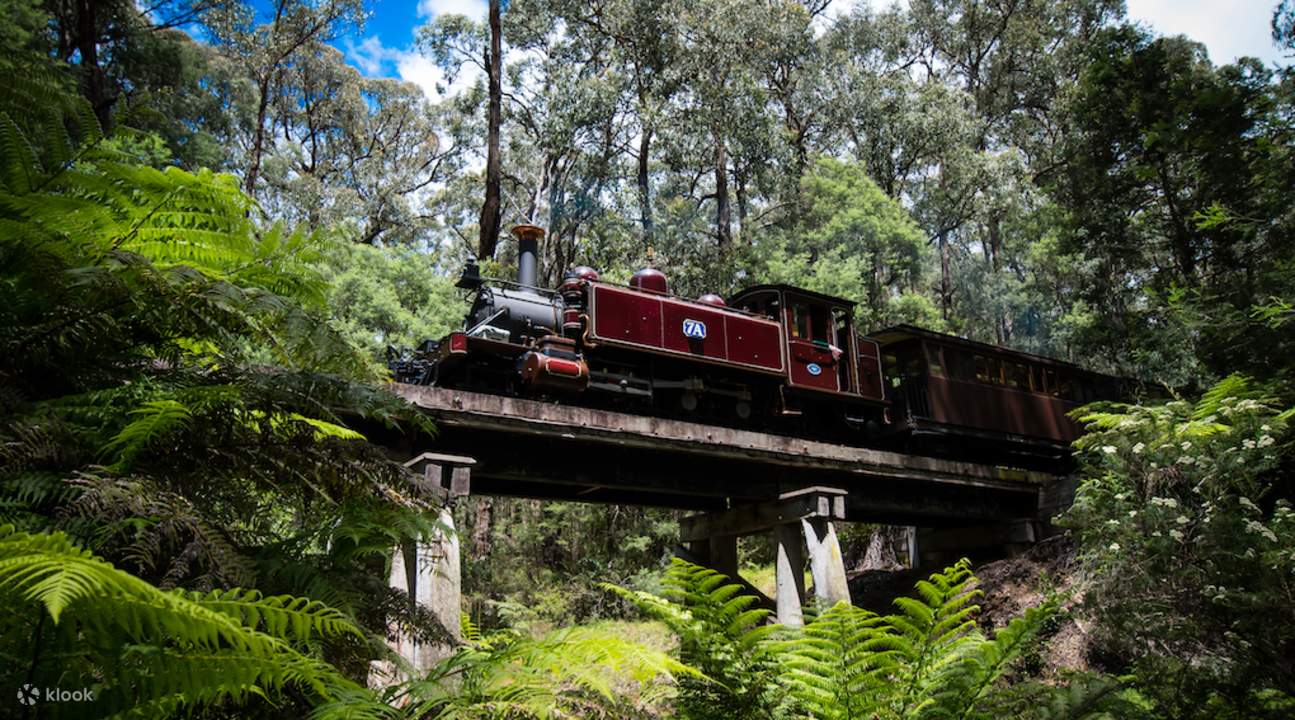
<point x="528" y="244"/>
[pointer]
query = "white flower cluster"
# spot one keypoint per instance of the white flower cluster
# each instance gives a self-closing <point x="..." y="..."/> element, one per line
<point x="1164" y="502"/>
<point x="1261" y="529"/>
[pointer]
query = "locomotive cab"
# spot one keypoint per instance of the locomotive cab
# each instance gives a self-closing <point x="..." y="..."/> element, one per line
<point x="825" y="355"/>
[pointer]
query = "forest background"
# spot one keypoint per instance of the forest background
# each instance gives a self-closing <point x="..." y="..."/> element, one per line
<point x="1039" y="175"/>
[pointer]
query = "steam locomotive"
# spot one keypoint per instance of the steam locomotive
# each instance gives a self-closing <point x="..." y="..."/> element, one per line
<point x="773" y="357"/>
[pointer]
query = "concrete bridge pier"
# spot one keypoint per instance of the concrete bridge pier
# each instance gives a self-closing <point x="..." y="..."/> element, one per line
<point x="429" y="572"/>
<point x="802" y="524"/>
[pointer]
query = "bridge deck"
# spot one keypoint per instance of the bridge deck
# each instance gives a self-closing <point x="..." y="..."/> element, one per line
<point x="544" y="450"/>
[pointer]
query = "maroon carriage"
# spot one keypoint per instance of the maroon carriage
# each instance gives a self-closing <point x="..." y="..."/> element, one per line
<point x="970" y="399"/>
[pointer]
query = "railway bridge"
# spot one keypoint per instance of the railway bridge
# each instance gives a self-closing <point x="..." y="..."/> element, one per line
<point x="734" y="483"/>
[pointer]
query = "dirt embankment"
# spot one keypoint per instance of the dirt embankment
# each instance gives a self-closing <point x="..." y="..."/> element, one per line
<point x="1009" y="586"/>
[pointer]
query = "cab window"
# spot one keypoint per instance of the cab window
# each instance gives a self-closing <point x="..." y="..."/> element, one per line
<point x="810" y="322"/>
<point x="799" y="321"/>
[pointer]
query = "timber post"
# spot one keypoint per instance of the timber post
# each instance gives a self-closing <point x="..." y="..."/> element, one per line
<point x="430" y="572"/>
<point x="789" y="575"/>
<point x="825" y="561"/>
<point x="800" y="520"/>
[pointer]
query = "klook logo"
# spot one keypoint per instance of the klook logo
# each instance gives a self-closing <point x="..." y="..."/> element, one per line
<point x="30" y="695"/>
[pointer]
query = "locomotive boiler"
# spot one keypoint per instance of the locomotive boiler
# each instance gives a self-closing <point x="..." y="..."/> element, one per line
<point x="773" y="357"/>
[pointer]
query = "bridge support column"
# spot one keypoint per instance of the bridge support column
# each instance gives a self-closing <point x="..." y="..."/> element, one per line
<point x="796" y="517"/>
<point x="718" y="552"/>
<point x="429" y="572"/>
<point x="789" y="574"/>
<point x="825" y="561"/>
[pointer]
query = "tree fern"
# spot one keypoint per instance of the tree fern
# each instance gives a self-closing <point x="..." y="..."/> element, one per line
<point x="578" y="672"/>
<point x="173" y="399"/>
<point x="722" y="634"/>
<point x="157" y="647"/>
<point x="928" y="660"/>
<point x="839" y="666"/>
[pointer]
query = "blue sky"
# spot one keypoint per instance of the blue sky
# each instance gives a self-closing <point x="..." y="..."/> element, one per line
<point x="1229" y="29"/>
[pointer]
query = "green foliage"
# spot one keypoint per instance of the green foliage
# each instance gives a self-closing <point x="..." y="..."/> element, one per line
<point x="537" y="564"/>
<point x="722" y="634"/>
<point x="1186" y="532"/>
<point x="855" y="242"/>
<point x="381" y="296"/>
<point x="579" y="672"/>
<point x="148" y="651"/>
<point x="174" y="401"/>
<point x="928" y="660"/>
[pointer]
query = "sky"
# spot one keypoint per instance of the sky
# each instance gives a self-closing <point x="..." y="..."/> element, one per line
<point x="1228" y="28"/>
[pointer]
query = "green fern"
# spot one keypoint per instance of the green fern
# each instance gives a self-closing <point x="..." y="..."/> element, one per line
<point x="839" y="666"/>
<point x="158" y="647"/>
<point x="928" y="660"/>
<point x="578" y="672"/>
<point x="721" y="633"/>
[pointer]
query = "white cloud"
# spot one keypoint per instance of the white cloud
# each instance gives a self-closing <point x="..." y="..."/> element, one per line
<point x="1229" y="29"/>
<point x="371" y="56"/>
<point x="377" y="60"/>
<point x="421" y="71"/>
<point x="472" y="8"/>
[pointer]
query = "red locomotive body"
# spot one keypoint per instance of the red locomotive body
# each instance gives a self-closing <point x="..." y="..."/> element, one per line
<point x="627" y="318"/>
<point x="778" y="357"/>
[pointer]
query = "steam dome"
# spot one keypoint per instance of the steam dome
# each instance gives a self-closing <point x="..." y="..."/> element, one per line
<point x="650" y="280"/>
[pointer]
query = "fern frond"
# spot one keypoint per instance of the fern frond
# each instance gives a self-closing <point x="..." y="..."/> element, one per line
<point x="282" y="616"/>
<point x="174" y="646"/>
<point x="153" y="419"/>
<point x="1235" y="385"/>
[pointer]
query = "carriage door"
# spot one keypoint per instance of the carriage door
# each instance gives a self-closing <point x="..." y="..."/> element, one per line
<point x="812" y="356"/>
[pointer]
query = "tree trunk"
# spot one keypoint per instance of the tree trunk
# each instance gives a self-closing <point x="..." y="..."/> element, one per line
<point x="258" y="138"/>
<point x="87" y="35"/>
<point x="946" y="283"/>
<point x="481" y="526"/>
<point x="645" y="189"/>
<point x="491" y="212"/>
<point x="723" y="214"/>
<point x="739" y="189"/>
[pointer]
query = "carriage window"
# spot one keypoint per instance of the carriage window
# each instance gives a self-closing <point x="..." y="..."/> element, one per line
<point x="1018" y="376"/>
<point x="961" y="365"/>
<point x="1036" y="378"/>
<point x="842" y="319"/>
<point x="1064" y="389"/>
<point x="989" y="370"/>
<point x="890" y="368"/>
<point x="934" y="359"/>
